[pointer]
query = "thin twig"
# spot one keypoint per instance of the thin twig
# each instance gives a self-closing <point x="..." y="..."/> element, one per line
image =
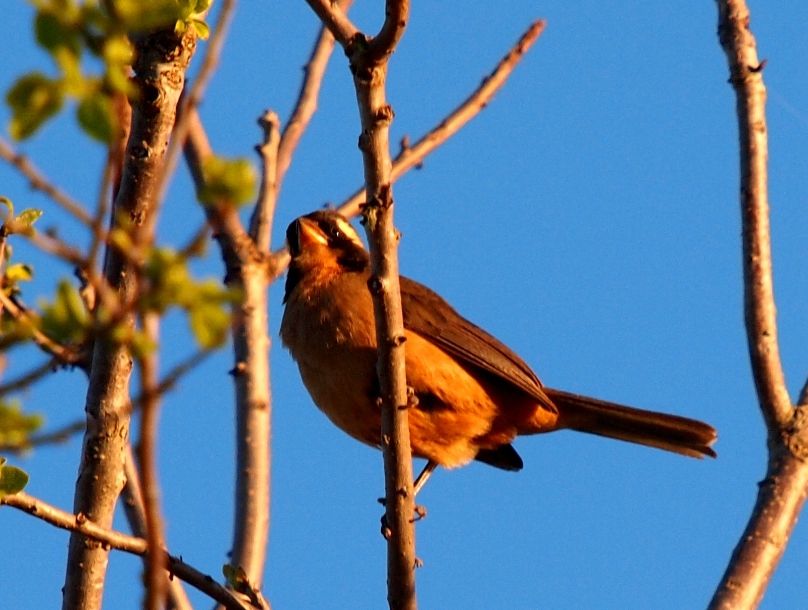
<point x="135" y="515"/>
<point x="381" y="47"/>
<point x="122" y="542"/>
<point x="306" y="104"/>
<point x="63" y="353"/>
<point x="156" y="584"/>
<point x="245" y="265"/>
<point x="64" y="433"/>
<point x="60" y="435"/>
<point x="264" y="211"/>
<point x="38" y="181"/>
<point x="413" y="156"/>
<point x="746" y="76"/>
<point x="335" y="19"/>
<point x="29" y="377"/>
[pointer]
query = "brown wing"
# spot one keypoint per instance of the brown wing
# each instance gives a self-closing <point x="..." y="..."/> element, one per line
<point x="427" y="314"/>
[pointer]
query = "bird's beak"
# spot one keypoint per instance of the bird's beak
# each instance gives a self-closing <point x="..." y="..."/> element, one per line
<point x="304" y="233"/>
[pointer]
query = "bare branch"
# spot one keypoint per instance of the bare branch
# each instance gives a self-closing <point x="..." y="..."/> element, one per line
<point x="156" y="584"/>
<point x="39" y="182"/>
<point x="111" y="539"/>
<point x="264" y="211"/>
<point x="746" y="76"/>
<point x="368" y="65"/>
<point x="335" y="19"/>
<point x="413" y="156"/>
<point x="382" y="46"/>
<point x="306" y="103"/>
<point x="26" y="379"/>
<point x="782" y="494"/>
<point x="245" y="265"/>
<point x="64" y="433"/>
<point x="136" y="516"/>
<point x="60" y="435"/>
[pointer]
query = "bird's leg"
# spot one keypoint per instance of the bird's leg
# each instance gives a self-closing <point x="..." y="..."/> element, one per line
<point x="420" y="481"/>
<point x="422" y="478"/>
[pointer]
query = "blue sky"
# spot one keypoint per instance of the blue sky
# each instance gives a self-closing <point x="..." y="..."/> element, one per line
<point x="588" y="218"/>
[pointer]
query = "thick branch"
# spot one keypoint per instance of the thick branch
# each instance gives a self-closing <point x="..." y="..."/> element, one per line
<point x="159" y="70"/>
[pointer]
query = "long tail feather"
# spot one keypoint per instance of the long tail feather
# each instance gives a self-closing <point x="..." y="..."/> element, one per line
<point x="669" y="432"/>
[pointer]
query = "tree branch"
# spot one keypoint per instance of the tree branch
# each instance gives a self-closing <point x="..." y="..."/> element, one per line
<point x="368" y="65"/>
<point x="156" y="583"/>
<point x="746" y="76"/>
<point x="191" y="101"/>
<point x="162" y="59"/>
<point x="38" y="181"/>
<point x="245" y="264"/>
<point x="306" y="103"/>
<point x="136" y="516"/>
<point x="335" y="19"/>
<point x="109" y="538"/>
<point x="413" y="156"/>
<point x="782" y="494"/>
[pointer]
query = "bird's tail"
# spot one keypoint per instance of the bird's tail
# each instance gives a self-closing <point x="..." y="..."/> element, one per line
<point x="669" y="432"/>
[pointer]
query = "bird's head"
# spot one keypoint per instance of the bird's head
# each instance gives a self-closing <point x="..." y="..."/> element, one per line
<point x="323" y="242"/>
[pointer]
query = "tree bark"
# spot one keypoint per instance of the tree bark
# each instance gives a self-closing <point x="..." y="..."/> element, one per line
<point x="159" y="76"/>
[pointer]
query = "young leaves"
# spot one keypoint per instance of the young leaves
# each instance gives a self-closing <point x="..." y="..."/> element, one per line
<point x="12" y="479"/>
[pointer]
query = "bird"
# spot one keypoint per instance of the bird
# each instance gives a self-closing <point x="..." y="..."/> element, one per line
<point x="473" y="396"/>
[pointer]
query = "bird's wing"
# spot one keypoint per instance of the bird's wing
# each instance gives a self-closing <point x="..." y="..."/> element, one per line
<point x="427" y="314"/>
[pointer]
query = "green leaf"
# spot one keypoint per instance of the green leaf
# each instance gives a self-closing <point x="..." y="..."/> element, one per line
<point x="96" y="117"/>
<point x="33" y="99"/>
<point x="19" y="272"/>
<point x="210" y="323"/>
<point x="236" y="579"/>
<point x="202" y="28"/>
<point x="28" y="217"/>
<point x="15" y="426"/>
<point x="54" y="31"/>
<point x="12" y="479"/>
<point x="228" y="181"/>
<point x="66" y="319"/>
<point x="139" y="16"/>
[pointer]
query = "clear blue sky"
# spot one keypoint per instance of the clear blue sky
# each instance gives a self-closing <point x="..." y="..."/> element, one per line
<point x="588" y="218"/>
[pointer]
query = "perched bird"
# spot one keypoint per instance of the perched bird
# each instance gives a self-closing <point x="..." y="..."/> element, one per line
<point x="474" y="395"/>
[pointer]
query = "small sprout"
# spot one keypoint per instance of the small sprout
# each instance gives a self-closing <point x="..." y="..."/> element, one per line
<point x="12" y="479"/>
